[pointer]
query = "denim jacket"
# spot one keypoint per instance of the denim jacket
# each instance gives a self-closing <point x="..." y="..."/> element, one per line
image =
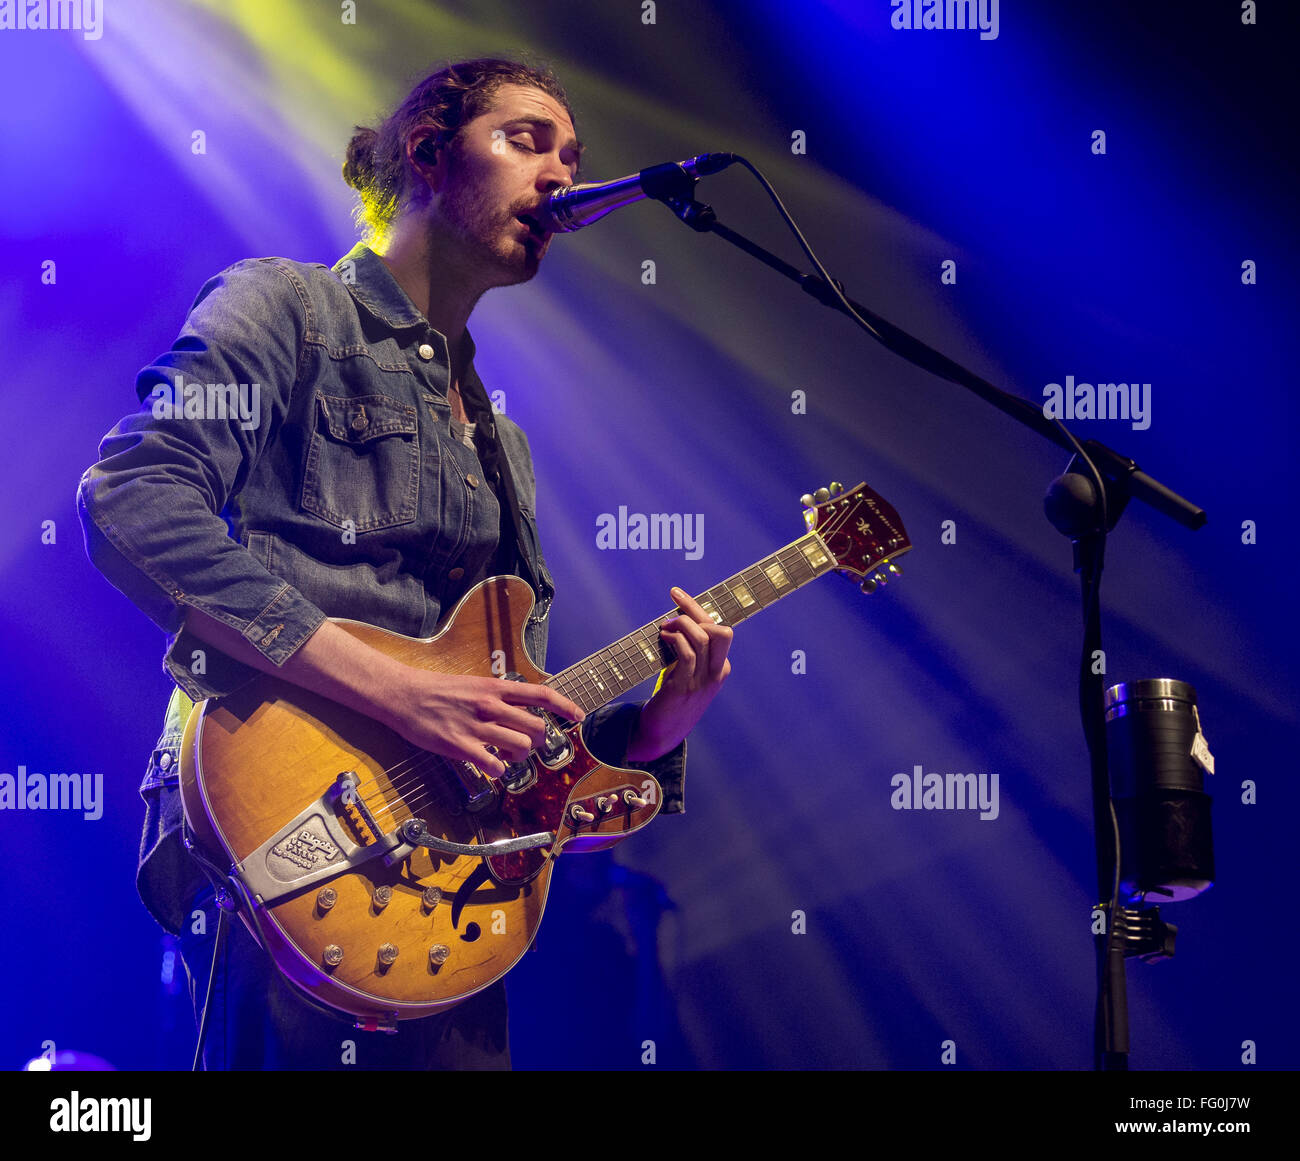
<point x="292" y="460"/>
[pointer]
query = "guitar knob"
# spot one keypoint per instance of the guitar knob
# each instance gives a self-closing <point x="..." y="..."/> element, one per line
<point x="895" y="570"/>
<point x="431" y="897"/>
<point x="869" y="586"/>
<point x="822" y="495"/>
<point x="439" y="954"/>
<point x="879" y="578"/>
<point x="836" y="488"/>
<point x="806" y="500"/>
<point x="580" y="814"/>
<point x="633" y="799"/>
<point x="332" y="955"/>
<point x="387" y="954"/>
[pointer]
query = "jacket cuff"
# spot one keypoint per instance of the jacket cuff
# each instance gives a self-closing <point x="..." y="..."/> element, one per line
<point x="203" y="671"/>
<point x="608" y="732"/>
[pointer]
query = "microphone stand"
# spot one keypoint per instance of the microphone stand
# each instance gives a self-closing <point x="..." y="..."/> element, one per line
<point x="1084" y="507"/>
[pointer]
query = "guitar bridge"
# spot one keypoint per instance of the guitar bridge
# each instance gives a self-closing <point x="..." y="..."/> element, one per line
<point x="346" y="788"/>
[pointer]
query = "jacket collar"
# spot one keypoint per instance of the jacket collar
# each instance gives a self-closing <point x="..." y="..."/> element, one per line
<point x="372" y="284"/>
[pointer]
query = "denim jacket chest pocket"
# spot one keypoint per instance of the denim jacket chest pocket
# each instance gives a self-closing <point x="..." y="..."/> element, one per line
<point x="363" y="462"/>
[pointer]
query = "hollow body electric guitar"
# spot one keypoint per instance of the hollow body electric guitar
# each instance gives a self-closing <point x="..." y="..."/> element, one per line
<point x="390" y="883"/>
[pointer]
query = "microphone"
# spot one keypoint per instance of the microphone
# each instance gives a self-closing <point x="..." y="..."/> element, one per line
<point x="576" y="206"/>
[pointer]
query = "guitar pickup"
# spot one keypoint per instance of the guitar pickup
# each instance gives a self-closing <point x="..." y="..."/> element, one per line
<point x="519" y="776"/>
<point x="556" y="749"/>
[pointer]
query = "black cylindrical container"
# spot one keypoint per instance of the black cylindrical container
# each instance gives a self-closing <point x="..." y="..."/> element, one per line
<point x="1164" y="815"/>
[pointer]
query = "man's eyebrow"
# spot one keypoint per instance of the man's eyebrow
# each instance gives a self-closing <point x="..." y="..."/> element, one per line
<point x="546" y="123"/>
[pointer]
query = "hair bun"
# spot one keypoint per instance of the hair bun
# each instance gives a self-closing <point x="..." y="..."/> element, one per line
<point x="359" y="165"/>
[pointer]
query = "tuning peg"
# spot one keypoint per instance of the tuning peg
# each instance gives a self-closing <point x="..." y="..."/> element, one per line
<point x="836" y="488"/>
<point x="806" y="500"/>
<point x="868" y="586"/>
<point x="822" y="495"/>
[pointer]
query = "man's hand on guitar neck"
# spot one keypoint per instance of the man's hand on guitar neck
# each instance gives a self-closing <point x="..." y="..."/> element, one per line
<point x="688" y="685"/>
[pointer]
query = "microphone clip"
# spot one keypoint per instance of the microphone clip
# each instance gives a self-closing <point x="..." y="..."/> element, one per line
<point x="697" y="215"/>
<point x="674" y="185"/>
<point x="671" y="182"/>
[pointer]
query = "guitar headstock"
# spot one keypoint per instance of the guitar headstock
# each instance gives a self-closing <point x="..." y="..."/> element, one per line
<point x="861" y="529"/>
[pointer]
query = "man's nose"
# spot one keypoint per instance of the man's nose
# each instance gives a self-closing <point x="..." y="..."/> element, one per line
<point x="554" y="175"/>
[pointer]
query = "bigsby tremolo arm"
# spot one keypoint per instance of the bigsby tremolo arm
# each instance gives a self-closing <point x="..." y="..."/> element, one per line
<point x="417" y="834"/>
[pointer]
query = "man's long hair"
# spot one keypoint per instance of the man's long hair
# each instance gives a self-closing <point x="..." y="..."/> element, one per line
<point x="377" y="166"/>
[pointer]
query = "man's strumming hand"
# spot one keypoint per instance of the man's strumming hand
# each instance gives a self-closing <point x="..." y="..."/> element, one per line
<point x="455" y="715"/>
<point x="460" y="716"/>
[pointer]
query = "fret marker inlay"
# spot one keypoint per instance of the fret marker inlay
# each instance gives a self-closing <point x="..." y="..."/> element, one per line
<point x="816" y="557"/>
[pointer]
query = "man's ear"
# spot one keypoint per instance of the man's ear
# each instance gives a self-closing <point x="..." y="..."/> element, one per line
<point x="423" y="157"/>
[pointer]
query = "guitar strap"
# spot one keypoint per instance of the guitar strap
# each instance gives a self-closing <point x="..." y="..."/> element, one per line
<point x="496" y="466"/>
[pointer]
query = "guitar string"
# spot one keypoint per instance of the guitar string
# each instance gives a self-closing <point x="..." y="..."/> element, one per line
<point x="417" y="762"/>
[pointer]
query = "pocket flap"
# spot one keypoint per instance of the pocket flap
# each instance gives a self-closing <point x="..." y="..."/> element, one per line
<point x="360" y="418"/>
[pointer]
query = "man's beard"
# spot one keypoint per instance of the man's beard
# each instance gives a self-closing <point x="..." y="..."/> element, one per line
<point x="491" y="241"/>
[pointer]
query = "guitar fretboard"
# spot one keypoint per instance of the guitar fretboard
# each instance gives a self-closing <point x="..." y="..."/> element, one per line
<point x="628" y="662"/>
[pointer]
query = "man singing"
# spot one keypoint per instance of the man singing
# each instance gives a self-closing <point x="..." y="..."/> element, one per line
<point x="371" y="480"/>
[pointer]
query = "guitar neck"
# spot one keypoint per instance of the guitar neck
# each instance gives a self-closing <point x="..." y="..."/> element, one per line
<point x="628" y="662"/>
